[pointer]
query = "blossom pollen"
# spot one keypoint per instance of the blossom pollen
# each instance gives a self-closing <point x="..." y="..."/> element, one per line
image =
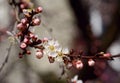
<point x="51" y="48"/>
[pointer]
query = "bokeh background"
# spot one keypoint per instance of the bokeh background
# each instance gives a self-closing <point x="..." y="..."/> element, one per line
<point x="90" y="25"/>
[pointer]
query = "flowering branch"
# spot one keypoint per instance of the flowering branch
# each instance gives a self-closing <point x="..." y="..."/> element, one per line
<point x="50" y="47"/>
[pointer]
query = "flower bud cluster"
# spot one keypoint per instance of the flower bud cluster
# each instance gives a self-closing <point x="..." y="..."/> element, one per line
<point x="28" y="38"/>
<point x="24" y="4"/>
<point x="21" y="4"/>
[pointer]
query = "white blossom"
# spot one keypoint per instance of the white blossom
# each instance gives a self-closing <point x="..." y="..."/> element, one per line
<point x="51" y="47"/>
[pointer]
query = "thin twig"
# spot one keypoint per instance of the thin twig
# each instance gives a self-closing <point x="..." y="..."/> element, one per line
<point x="6" y="58"/>
<point x="16" y="13"/>
<point x="100" y="57"/>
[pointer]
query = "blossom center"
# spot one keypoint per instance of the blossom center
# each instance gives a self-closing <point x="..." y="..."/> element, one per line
<point x="60" y="53"/>
<point x="51" y="48"/>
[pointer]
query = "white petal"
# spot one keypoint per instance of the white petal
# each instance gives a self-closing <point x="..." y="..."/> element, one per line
<point x="45" y="52"/>
<point x="52" y="54"/>
<point x="56" y="43"/>
<point x="9" y="33"/>
<point x="51" y="42"/>
<point x="75" y="78"/>
<point x="59" y="59"/>
<point x="65" y="51"/>
<point x="69" y="65"/>
<point x="46" y="46"/>
<point x="79" y="81"/>
<point x="58" y="49"/>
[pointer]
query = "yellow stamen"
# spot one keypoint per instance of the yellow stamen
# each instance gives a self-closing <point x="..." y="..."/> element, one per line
<point x="51" y="48"/>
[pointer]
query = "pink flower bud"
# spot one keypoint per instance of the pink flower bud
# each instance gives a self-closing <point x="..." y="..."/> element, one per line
<point x="107" y="55"/>
<point x="91" y="62"/>
<point x="35" y="37"/>
<point x="31" y="35"/>
<point x="36" y="21"/>
<point x="39" y="10"/>
<point x="51" y="59"/>
<point x="23" y="45"/>
<point x="39" y="54"/>
<point x="22" y="6"/>
<point x="45" y="39"/>
<point x="78" y="64"/>
<point x="20" y="55"/>
<point x="24" y="21"/>
<point x="38" y="41"/>
<point x="20" y="26"/>
<point x="26" y="40"/>
<point x="28" y="52"/>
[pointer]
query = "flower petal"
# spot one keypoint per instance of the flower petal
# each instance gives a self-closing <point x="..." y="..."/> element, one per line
<point x="58" y="49"/>
<point x="52" y="54"/>
<point x="56" y="43"/>
<point x="75" y="78"/>
<point x="79" y="81"/>
<point x="65" y="51"/>
<point x="59" y="59"/>
<point x="51" y="42"/>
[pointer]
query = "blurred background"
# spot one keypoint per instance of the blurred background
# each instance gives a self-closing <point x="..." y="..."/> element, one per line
<point x="88" y="25"/>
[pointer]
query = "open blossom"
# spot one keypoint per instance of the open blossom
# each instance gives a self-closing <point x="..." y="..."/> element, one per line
<point x="53" y="49"/>
<point x="61" y="52"/>
<point x="75" y="79"/>
<point x="50" y="48"/>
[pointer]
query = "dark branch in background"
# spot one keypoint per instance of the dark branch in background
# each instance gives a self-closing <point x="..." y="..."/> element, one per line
<point x="113" y="30"/>
<point x="82" y="16"/>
